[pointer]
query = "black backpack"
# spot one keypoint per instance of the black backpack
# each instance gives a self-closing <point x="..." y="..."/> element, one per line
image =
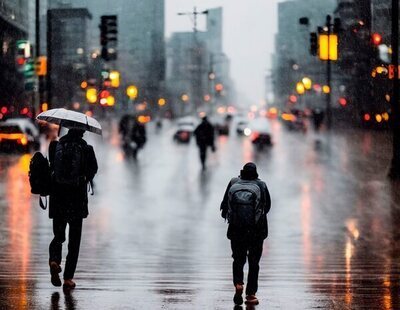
<point x="69" y="163"/>
<point x="244" y="207"/>
<point x="40" y="176"/>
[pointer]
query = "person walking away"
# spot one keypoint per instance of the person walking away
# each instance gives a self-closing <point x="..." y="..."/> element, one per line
<point x="204" y="133"/>
<point x="73" y="166"/>
<point x="138" y="137"/>
<point x="245" y="206"/>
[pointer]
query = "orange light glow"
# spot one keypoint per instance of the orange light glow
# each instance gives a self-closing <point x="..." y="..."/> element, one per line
<point x="144" y="119"/>
<point x="288" y="117"/>
<point x="221" y="110"/>
<point x="185" y="98"/>
<point x="13" y="136"/>
<point x="45" y="106"/>
<point x="162" y="102"/>
<point x="84" y="84"/>
<point x="376" y="38"/>
<point x="326" y="89"/>
<point x="24" y="111"/>
<point x="385" y="116"/>
<point x="207" y="98"/>
<point x="219" y="87"/>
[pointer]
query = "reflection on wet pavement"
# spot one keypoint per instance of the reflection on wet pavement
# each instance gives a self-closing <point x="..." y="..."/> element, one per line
<point x="154" y="238"/>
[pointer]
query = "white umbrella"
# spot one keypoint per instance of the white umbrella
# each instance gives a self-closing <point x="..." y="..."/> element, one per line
<point x="70" y="119"/>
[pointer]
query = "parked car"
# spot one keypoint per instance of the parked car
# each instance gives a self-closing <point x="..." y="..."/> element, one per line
<point x="19" y="134"/>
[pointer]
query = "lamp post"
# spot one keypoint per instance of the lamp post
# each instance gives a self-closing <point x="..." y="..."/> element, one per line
<point x="394" y="172"/>
<point x="327" y="51"/>
<point x="196" y="82"/>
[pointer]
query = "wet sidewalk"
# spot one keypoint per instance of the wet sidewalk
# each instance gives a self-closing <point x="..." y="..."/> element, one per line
<point x="154" y="238"/>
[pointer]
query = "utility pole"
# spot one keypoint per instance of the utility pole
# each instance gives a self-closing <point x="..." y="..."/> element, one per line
<point x="196" y="80"/>
<point x="37" y="31"/>
<point x="328" y="77"/>
<point x="395" y="117"/>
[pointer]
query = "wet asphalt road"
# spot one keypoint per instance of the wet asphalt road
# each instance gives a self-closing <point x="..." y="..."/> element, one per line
<point x="154" y="238"/>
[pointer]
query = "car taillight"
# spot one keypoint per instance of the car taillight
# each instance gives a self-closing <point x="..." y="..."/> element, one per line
<point x="23" y="140"/>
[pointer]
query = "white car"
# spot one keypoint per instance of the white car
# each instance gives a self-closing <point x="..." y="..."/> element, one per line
<point x="19" y="134"/>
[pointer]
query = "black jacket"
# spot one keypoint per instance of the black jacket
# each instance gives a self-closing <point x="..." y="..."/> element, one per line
<point x="260" y="231"/>
<point x="71" y="201"/>
<point x="204" y="133"/>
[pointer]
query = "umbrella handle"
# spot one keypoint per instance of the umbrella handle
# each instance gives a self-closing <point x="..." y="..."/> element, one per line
<point x="59" y="128"/>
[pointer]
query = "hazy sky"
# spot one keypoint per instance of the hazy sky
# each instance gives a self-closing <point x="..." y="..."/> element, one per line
<point x="249" y="28"/>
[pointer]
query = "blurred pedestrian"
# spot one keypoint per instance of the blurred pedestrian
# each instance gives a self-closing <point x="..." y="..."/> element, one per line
<point x="204" y="133"/>
<point x="138" y="137"/>
<point x="318" y="117"/>
<point x="245" y="206"/>
<point x="73" y="166"/>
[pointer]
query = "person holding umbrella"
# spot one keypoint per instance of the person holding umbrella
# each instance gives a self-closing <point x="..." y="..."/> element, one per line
<point x="73" y="166"/>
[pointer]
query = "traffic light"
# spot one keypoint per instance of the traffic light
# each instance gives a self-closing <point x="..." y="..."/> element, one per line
<point x="114" y="78"/>
<point x="376" y="39"/>
<point x="29" y="72"/>
<point x="313" y="43"/>
<point x="108" y="36"/>
<point x="23" y="53"/>
<point x="41" y="66"/>
<point x="337" y="25"/>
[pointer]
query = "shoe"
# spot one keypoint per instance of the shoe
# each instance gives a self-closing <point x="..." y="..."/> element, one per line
<point x="238" y="299"/>
<point x="55" y="269"/>
<point x="251" y="300"/>
<point x="69" y="284"/>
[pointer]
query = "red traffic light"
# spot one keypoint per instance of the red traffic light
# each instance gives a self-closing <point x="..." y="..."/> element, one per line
<point x="104" y="94"/>
<point x="376" y="39"/>
<point x="342" y="101"/>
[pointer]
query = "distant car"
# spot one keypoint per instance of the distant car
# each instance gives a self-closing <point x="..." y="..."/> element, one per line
<point x="184" y="133"/>
<point x="19" y="134"/>
<point x="241" y="126"/>
<point x="221" y="125"/>
<point x="260" y="133"/>
<point x="294" y="121"/>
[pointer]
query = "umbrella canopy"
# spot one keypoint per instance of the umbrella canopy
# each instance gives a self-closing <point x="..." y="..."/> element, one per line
<point x="70" y="119"/>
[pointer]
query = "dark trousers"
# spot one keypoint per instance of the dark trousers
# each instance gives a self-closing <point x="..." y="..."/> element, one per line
<point x="203" y="154"/>
<point x="74" y="241"/>
<point x="243" y="249"/>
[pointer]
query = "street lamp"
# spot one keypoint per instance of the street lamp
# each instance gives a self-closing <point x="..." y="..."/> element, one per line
<point x="307" y="83"/>
<point x="300" y="89"/>
<point x="132" y="92"/>
<point x="185" y="98"/>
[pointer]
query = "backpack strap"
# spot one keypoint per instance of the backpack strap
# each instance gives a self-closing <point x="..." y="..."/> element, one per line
<point x="43" y="206"/>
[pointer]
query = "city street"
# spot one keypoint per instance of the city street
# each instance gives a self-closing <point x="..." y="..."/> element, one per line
<point x="154" y="238"/>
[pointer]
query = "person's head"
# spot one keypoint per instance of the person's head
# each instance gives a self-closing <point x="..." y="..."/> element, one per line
<point x="204" y="118"/>
<point x="249" y="172"/>
<point x="77" y="133"/>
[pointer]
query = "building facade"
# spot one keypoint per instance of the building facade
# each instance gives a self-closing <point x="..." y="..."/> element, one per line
<point x="292" y="60"/>
<point x="140" y="46"/>
<point x="67" y="51"/>
<point x="14" y="26"/>
<point x="196" y="63"/>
